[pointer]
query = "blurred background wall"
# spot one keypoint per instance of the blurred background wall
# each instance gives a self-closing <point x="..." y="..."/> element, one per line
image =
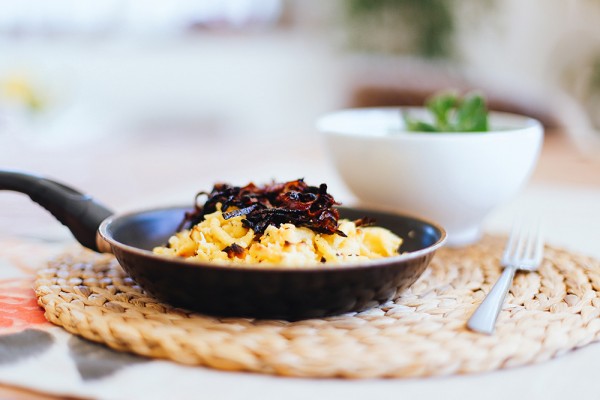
<point x="73" y="71"/>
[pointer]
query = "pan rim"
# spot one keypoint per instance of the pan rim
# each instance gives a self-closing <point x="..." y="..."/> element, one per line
<point x="104" y="231"/>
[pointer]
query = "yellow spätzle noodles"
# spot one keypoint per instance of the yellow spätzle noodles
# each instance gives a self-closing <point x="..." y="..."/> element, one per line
<point x="216" y="239"/>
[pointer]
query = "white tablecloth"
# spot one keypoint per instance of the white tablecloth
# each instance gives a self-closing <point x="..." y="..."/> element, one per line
<point x="133" y="174"/>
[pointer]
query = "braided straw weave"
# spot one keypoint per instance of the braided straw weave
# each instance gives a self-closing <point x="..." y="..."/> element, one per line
<point x="421" y="334"/>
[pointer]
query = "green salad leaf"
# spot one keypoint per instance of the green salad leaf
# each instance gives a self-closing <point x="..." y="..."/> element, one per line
<point x="452" y="113"/>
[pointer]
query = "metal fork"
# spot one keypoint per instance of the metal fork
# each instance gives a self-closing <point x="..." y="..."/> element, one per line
<point x="524" y="251"/>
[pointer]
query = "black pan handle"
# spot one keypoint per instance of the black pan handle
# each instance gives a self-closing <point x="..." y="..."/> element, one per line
<point x="77" y="211"/>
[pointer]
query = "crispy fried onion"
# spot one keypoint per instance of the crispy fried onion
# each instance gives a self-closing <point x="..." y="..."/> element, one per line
<point x="292" y="202"/>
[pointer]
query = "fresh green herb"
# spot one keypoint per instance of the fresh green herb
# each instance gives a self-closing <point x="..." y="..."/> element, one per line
<point x="452" y="113"/>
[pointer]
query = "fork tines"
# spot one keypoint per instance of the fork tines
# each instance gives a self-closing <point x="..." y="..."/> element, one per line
<point x="525" y="245"/>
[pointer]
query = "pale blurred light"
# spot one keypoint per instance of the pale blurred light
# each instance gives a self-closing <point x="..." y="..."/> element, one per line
<point x="40" y="17"/>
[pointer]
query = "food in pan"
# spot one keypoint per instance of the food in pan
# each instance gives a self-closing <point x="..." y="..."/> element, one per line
<point x="283" y="224"/>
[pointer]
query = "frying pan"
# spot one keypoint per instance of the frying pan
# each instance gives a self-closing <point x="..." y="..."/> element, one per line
<point x="240" y="291"/>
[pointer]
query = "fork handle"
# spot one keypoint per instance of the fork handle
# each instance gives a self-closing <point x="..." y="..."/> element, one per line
<point x="484" y="318"/>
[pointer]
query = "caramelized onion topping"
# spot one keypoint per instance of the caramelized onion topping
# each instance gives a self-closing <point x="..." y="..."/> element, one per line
<point x="292" y="202"/>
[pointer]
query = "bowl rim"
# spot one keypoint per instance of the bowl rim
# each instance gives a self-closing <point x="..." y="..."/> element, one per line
<point x="106" y="235"/>
<point x="323" y="125"/>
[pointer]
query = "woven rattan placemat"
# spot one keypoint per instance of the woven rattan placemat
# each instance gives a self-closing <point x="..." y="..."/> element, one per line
<point x="421" y="334"/>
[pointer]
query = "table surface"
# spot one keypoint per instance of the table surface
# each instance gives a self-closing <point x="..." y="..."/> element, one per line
<point x="135" y="172"/>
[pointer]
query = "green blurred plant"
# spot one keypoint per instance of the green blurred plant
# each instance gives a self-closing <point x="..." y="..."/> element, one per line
<point x="420" y="27"/>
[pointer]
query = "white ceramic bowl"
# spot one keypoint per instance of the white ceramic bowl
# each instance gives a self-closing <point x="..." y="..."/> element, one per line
<point x="455" y="179"/>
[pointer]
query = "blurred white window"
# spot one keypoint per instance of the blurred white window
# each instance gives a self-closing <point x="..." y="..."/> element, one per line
<point x="47" y="17"/>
